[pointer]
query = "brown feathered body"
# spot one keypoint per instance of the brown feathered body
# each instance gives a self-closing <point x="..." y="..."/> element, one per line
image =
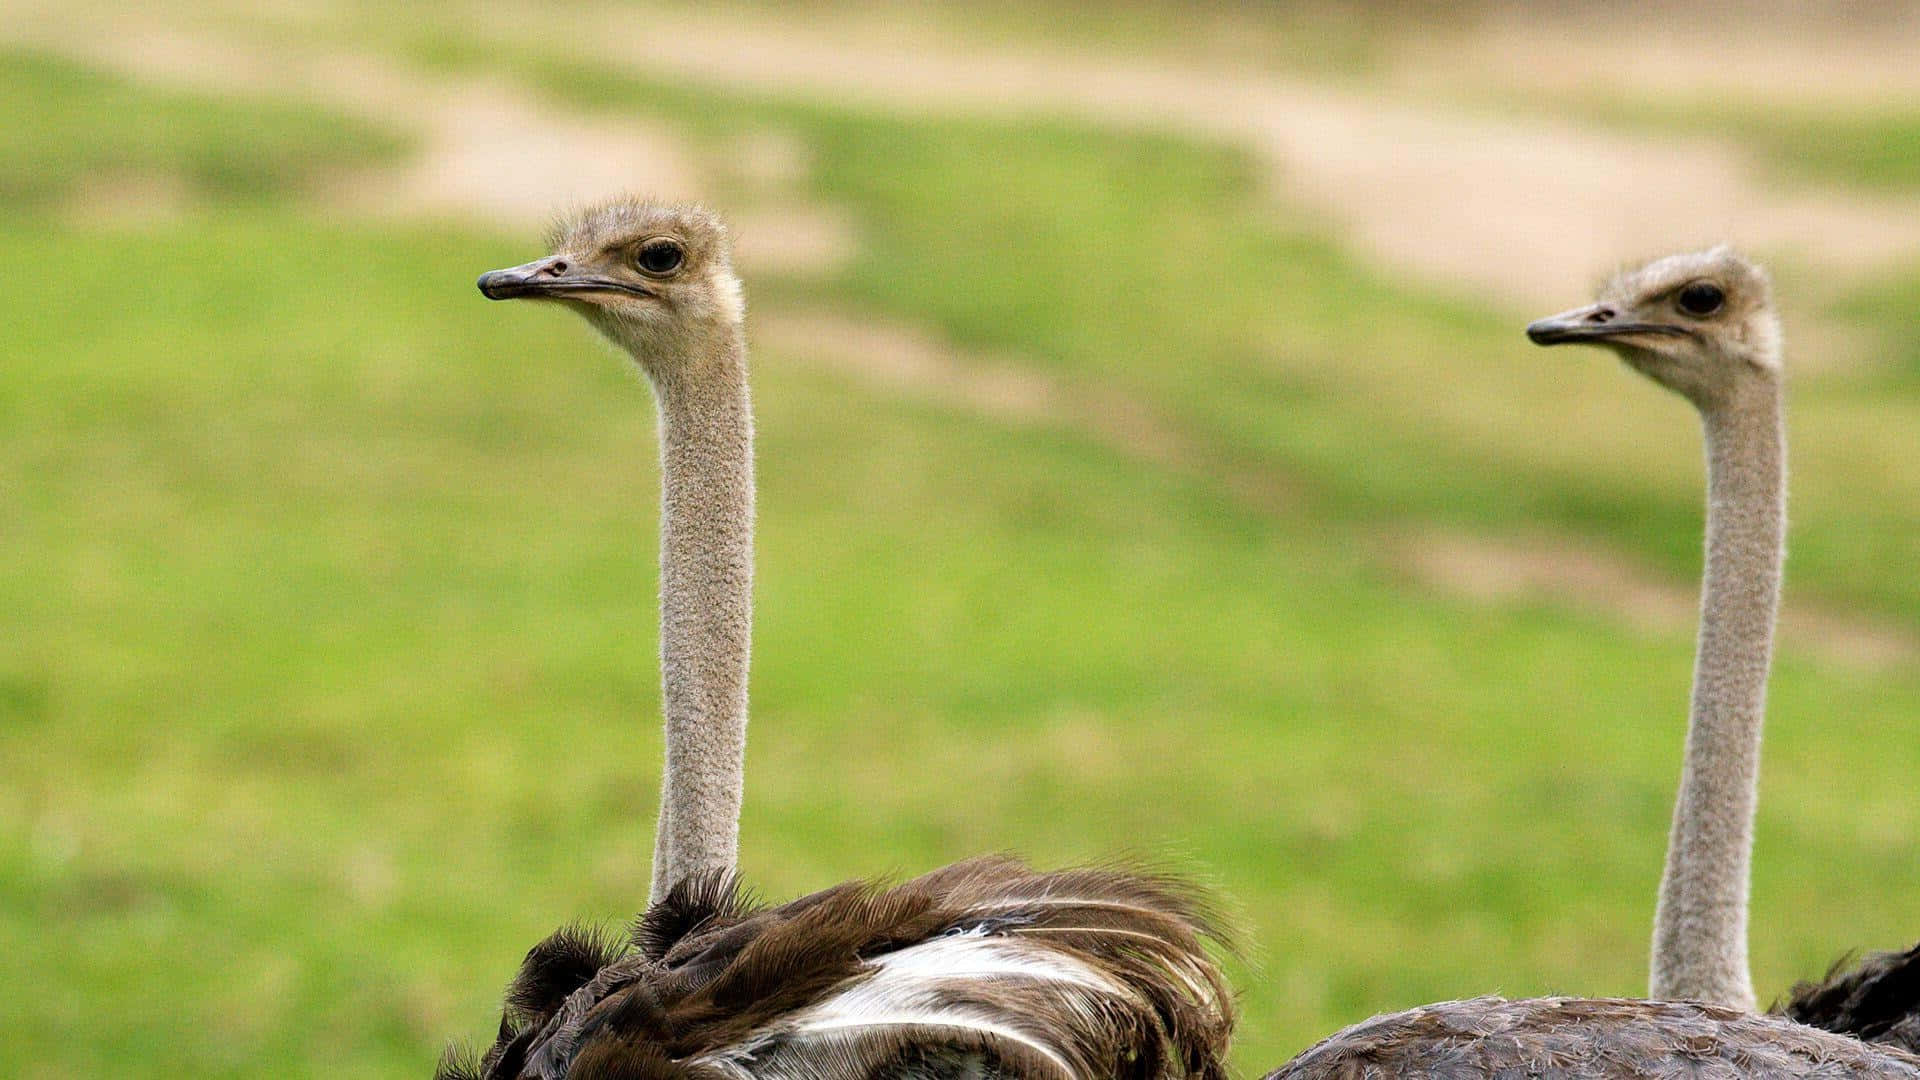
<point x="984" y="969"/>
<point x="1877" y="1000"/>
<point x="1589" y="1039"/>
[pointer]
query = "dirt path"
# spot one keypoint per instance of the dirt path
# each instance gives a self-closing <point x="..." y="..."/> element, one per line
<point x="1559" y="570"/>
<point x="906" y="360"/>
<point x="485" y="149"/>
<point x="1785" y="52"/>
<point x="1525" y="210"/>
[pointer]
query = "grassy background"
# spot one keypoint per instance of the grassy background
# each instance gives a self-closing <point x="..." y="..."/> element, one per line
<point x="326" y="591"/>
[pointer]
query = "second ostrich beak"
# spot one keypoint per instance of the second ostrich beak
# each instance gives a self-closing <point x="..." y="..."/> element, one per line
<point x="1594" y="322"/>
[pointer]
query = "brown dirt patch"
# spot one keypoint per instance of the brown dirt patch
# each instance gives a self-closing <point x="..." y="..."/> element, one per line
<point x="1860" y="55"/>
<point x="128" y="199"/>
<point x="486" y="149"/>
<point x="907" y="360"/>
<point x="1565" y="572"/>
<point x="792" y="238"/>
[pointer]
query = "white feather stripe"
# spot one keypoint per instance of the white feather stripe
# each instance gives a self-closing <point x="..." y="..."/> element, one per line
<point x="1046" y="900"/>
<point x="1187" y="972"/>
<point x="924" y="992"/>
<point x="724" y="1062"/>
<point x="969" y="956"/>
<point x="913" y="987"/>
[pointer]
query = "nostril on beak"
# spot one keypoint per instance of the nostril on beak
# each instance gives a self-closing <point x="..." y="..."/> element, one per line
<point x="1601" y="315"/>
<point x="557" y="267"/>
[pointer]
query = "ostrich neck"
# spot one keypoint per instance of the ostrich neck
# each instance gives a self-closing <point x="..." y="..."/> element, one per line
<point x="706" y="607"/>
<point x="1700" y="929"/>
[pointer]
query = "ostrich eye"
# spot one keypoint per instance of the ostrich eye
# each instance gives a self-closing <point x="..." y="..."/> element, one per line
<point x="660" y="257"/>
<point x="1701" y="298"/>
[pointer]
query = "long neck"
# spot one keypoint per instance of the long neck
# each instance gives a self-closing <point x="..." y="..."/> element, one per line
<point x="706" y="607"/>
<point x="1700" y="929"/>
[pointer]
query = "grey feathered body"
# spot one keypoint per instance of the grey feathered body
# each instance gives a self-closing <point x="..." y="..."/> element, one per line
<point x="984" y="969"/>
<point x="1589" y="1039"/>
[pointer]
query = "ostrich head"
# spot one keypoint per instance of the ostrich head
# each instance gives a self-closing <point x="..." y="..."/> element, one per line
<point x="656" y="279"/>
<point x="1697" y="323"/>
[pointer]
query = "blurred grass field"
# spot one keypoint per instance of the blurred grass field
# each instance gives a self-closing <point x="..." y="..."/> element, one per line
<point x="327" y="677"/>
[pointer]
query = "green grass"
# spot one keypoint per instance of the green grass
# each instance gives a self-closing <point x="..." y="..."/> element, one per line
<point x="326" y="608"/>
<point x="67" y="123"/>
<point x="1888" y="306"/>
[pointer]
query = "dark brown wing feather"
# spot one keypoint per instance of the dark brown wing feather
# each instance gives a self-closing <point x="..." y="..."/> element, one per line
<point x="1589" y="1039"/>
<point x="984" y="969"/>
<point x="1877" y="1000"/>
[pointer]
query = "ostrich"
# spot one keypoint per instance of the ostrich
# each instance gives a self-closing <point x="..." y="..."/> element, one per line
<point x="657" y="280"/>
<point x="1702" y="325"/>
<point x="982" y="969"/>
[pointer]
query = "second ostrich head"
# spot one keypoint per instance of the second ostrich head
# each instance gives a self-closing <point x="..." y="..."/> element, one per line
<point x="657" y="279"/>
<point x="1698" y="323"/>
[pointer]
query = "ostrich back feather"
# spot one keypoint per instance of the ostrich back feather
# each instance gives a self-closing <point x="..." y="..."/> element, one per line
<point x="1590" y="1039"/>
<point x="981" y="969"/>
<point x="1877" y="1000"/>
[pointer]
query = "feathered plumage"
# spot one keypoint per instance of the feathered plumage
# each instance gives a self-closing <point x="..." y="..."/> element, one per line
<point x="1878" y="1000"/>
<point x="1602" y="1038"/>
<point x="981" y="969"/>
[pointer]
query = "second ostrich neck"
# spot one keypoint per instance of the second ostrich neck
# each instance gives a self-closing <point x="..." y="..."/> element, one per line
<point x="706" y="609"/>
<point x="1700" y="929"/>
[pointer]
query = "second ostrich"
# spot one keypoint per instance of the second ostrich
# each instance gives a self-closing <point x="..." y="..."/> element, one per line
<point x="984" y="969"/>
<point x="1700" y="324"/>
<point x="1704" y="326"/>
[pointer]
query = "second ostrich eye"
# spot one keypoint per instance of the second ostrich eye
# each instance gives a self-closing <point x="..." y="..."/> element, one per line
<point x="659" y="257"/>
<point x="1701" y="298"/>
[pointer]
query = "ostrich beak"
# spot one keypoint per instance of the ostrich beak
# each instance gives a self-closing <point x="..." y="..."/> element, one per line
<point x="1595" y="322"/>
<point x="551" y="276"/>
